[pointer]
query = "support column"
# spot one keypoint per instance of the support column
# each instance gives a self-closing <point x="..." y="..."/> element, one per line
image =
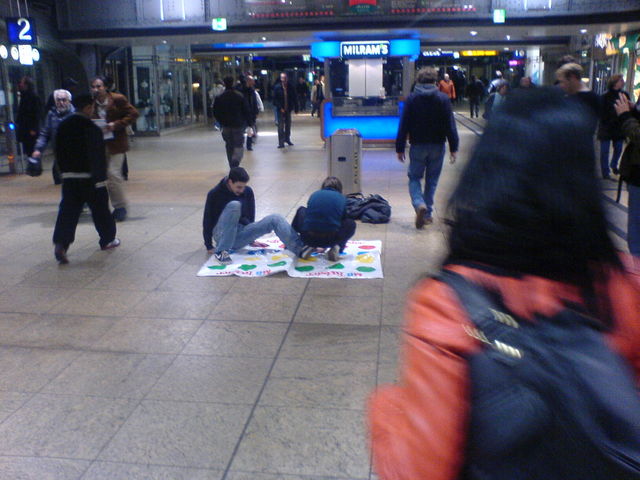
<point x="327" y="78"/>
<point x="408" y="75"/>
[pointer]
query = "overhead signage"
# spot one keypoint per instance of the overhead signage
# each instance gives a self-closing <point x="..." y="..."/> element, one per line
<point x="363" y="6"/>
<point x="364" y="49"/>
<point x="499" y="15"/>
<point x="219" y="24"/>
<point x="437" y="53"/>
<point x="479" y="53"/>
<point x="21" y="31"/>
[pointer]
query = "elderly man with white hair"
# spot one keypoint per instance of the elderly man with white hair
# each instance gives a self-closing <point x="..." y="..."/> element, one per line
<point x="61" y="110"/>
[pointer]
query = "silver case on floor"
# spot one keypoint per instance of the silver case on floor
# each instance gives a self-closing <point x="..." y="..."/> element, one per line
<point x="344" y="152"/>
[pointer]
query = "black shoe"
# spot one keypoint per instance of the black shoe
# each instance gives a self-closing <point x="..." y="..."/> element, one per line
<point x="280" y="146"/>
<point x="615" y="171"/>
<point x="119" y="214"/>
<point x="61" y="254"/>
<point x="249" y="149"/>
<point x="289" y="142"/>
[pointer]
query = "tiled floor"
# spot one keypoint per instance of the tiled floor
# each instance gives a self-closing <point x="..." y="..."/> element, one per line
<point x="124" y="365"/>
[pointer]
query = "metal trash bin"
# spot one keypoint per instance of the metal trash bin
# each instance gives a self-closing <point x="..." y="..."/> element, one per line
<point x="344" y="150"/>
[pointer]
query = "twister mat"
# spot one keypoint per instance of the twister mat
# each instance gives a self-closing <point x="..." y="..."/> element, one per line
<point x="361" y="259"/>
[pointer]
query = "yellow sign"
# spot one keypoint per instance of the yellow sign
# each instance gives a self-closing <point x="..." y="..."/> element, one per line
<point x="479" y="53"/>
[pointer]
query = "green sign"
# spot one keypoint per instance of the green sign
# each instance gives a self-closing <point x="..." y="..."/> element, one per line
<point x="219" y="24"/>
<point x="499" y="15"/>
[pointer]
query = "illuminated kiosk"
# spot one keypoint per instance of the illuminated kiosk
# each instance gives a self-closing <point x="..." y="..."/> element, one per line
<point x="367" y="107"/>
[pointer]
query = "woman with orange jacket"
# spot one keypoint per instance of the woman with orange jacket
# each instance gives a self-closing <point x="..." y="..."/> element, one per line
<point x="529" y="227"/>
<point x="447" y="87"/>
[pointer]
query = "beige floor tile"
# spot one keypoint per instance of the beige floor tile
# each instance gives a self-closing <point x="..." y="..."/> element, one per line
<point x="29" y="369"/>
<point x="316" y="341"/>
<point x="339" y="309"/>
<point x="328" y="442"/>
<point x="390" y="341"/>
<point x="10" y="402"/>
<point x="63" y="426"/>
<point x="279" y="284"/>
<point x="185" y="305"/>
<point x="235" y="475"/>
<point x="113" y="375"/>
<point x="319" y="384"/>
<point x="200" y="435"/>
<point x="101" y="302"/>
<point x="122" y="471"/>
<point x="145" y="335"/>
<point x="11" y="323"/>
<point x="345" y="287"/>
<point x="250" y="306"/>
<point x="33" y="468"/>
<point x="60" y="331"/>
<point x="131" y="278"/>
<point x="388" y="373"/>
<point x="32" y="300"/>
<point x="212" y="379"/>
<point x="185" y="280"/>
<point x="237" y="339"/>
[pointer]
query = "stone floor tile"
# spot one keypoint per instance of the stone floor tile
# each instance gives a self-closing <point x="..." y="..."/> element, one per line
<point x="104" y="374"/>
<point x="212" y="379"/>
<point x="131" y="278"/>
<point x="319" y="383"/>
<point x="125" y="471"/>
<point x="388" y="373"/>
<point x="60" y="331"/>
<point x="345" y="287"/>
<point x="237" y="339"/>
<point x="185" y="280"/>
<point x="34" y="468"/>
<point x="63" y="426"/>
<point x="390" y="338"/>
<point x="11" y="323"/>
<point x="32" y="300"/>
<point x="10" y="402"/>
<point x="146" y="335"/>
<point x="235" y="475"/>
<point x="175" y="305"/>
<point x="339" y="309"/>
<point x="29" y="369"/>
<point x="327" y="442"/>
<point x="279" y="284"/>
<point x="331" y="342"/>
<point x="99" y="303"/>
<point x="61" y="275"/>
<point x="199" y="435"/>
<point x="248" y="305"/>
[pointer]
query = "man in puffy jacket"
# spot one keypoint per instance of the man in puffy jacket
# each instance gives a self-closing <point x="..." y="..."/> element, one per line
<point x="62" y="109"/>
<point x="232" y="112"/>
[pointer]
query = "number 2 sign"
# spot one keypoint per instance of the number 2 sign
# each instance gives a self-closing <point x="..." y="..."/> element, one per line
<point x="21" y="30"/>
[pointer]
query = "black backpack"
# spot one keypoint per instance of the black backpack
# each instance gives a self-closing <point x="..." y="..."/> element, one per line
<point x="370" y="209"/>
<point x="549" y="400"/>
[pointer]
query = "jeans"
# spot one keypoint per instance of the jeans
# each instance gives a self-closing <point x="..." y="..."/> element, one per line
<point x="604" y="155"/>
<point x="324" y="239"/>
<point x="633" y="220"/>
<point x="284" y="127"/>
<point x="75" y="193"/>
<point x="233" y="143"/>
<point x="425" y="160"/>
<point x="231" y="235"/>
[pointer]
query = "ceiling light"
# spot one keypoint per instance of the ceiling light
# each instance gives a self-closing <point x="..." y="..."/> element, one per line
<point x="264" y="38"/>
<point x="473" y="33"/>
<point x="164" y="41"/>
<point x="508" y="37"/>
<point x="583" y="30"/>
<point x="506" y="48"/>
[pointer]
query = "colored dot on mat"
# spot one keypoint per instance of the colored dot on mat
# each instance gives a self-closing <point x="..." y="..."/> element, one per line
<point x="305" y="268"/>
<point x="279" y="264"/>
<point x="336" y="266"/>
<point x="365" y="258"/>
<point x="217" y="267"/>
<point x="308" y="260"/>
<point x="366" y="269"/>
<point x="279" y="257"/>
<point x="366" y="247"/>
<point x="246" y="267"/>
<point x="252" y="259"/>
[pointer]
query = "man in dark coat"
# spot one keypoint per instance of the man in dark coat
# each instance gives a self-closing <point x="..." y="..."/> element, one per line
<point x="28" y="118"/>
<point x="232" y="112"/>
<point x="81" y="158"/>
<point x="285" y="101"/>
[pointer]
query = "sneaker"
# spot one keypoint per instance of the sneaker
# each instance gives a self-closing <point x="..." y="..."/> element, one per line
<point x="223" y="257"/>
<point x="289" y="142"/>
<point x="119" y="214"/>
<point x="280" y="146"/>
<point x="111" y="245"/>
<point x="333" y="254"/>
<point x="421" y="213"/>
<point x="61" y="254"/>
<point x="306" y="252"/>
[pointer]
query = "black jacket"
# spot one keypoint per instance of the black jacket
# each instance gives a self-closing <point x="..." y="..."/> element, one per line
<point x="610" y="127"/>
<point x="249" y="94"/>
<point x="80" y="148"/>
<point x="217" y="199"/>
<point x="427" y="118"/>
<point x="28" y="117"/>
<point x="231" y="110"/>
<point x="278" y="97"/>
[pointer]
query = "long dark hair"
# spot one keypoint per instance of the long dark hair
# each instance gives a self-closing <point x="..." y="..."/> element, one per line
<point x="529" y="201"/>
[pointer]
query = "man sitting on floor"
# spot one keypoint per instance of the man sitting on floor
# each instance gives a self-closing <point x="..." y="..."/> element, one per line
<point x="229" y="217"/>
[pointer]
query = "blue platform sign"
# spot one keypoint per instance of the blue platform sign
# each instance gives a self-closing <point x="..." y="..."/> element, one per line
<point x="364" y="49"/>
<point x="21" y="30"/>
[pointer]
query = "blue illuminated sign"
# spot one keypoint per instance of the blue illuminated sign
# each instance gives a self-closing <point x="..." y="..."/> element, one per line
<point x="380" y="128"/>
<point x="404" y="47"/>
<point x="364" y="49"/>
<point x="21" y="31"/>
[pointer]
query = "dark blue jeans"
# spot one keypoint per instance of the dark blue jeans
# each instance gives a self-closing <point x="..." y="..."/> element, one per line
<point x="425" y="161"/>
<point x="604" y="155"/>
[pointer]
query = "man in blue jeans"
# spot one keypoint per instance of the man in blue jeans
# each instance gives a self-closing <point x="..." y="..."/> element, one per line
<point x="427" y="119"/>
<point x="229" y="217"/>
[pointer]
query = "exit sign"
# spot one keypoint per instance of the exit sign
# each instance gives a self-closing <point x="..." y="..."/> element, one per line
<point x="219" y="24"/>
<point x="499" y="15"/>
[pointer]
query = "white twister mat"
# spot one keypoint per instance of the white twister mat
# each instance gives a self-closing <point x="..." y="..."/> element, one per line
<point x="361" y="259"/>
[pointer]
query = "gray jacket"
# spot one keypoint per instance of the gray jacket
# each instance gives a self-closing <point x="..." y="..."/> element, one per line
<point x="50" y="127"/>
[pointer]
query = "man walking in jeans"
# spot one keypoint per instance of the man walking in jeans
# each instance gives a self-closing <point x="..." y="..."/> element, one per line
<point x="229" y="217"/>
<point x="232" y="112"/>
<point x="427" y="119"/>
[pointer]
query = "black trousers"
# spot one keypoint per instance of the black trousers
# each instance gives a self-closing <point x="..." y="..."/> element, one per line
<point x="324" y="239"/>
<point x="284" y="127"/>
<point x="474" y="106"/>
<point x="29" y="144"/>
<point x="75" y="193"/>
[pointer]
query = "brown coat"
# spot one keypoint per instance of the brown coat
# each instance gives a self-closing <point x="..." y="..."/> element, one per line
<point x="122" y="114"/>
<point x="448" y="88"/>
